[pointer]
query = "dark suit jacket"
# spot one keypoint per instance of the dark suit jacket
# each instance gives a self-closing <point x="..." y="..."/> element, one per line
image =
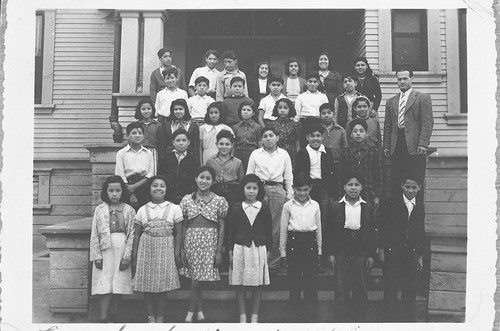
<point x="180" y="175"/>
<point x="335" y="229"/>
<point x="418" y="122"/>
<point x="371" y="89"/>
<point x="157" y="83"/>
<point x="254" y="90"/>
<point x="303" y="165"/>
<point x="242" y="233"/>
<point x="396" y="229"/>
<point x="165" y="145"/>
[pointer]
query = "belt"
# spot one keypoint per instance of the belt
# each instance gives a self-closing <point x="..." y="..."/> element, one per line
<point x="134" y="178"/>
<point x="270" y="183"/>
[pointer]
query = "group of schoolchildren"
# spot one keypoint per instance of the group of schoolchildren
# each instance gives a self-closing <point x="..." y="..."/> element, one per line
<point x="293" y="183"/>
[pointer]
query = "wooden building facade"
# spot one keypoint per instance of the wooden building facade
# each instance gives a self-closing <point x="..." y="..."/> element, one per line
<point x="94" y="65"/>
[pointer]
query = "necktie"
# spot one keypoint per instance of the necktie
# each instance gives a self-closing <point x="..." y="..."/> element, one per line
<point x="401" y="113"/>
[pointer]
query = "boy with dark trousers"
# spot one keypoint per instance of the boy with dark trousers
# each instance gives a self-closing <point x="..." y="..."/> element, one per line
<point x="300" y="248"/>
<point x="402" y="247"/>
<point x="351" y="242"/>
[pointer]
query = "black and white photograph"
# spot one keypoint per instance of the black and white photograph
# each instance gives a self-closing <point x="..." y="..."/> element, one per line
<point x="301" y="166"/>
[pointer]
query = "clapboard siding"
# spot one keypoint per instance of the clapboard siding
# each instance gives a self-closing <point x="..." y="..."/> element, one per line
<point x="70" y="190"/>
<point x="83" y="72"/>
<point x="372" y="43"/>
<point x="360" y="39"/>
<point x="446" y="227"/>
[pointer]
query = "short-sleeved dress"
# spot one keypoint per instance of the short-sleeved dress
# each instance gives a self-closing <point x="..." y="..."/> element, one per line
<point x="200" y="243"/>
<point x="156" y="270"/>
<point x="289" y="133"/>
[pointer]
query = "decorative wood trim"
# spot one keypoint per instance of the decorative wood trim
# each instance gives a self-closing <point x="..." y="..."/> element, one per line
<point x="129" y="51"/>
<point x="434" y="40"/>
<point x="44" y="108"/>
<point x="453" y="118"/>
<point x="453" y="69"/>
<point x="43" y="206"/>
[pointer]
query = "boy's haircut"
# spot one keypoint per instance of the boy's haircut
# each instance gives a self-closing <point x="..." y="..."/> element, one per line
<point x="111" y="180"/>
<point x="369" y="71"/>
<point x="171" y="70"/>
<point x="313" y="74"/>
<point x="359" y="121"/>
<point x="327" y="106"/>
<point x="268" y="128"/>
<point x="301" y="179"/>
<point x="150" y="182"/>
<point x="179" y="102"/>
<point x="351" y="76"/>
<point x="224" y="134"/>
<point x="134" y="125"/>
<point x="291" y="112"/>
<point x="315" y="127"/>
<point x="248" y="103"/>
<point x="360" y="99"/>
<point x="331" y="66"/>
<point x="229" y="54"/>
<point x="287" y="66"/>
<point x="201" y="79"/>
<point x="275" y="79"/>
<point x="178" y="132"/>
<point x="411" y="176"/>
<point x="350" y="175"/>
<point x="256" y="72"/>
<point x="222" y="113"/>
<point x="237" y="79"/>
<point x="251" y="178"/>
<point x="405" y="68"/>
<point x="163" y="51"/>
<point x="138" y="114"/>
<point x="212" y="52"/>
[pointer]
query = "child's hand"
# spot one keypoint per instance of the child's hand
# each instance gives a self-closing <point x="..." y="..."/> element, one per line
<point x="98" y="264"/>
<point x="376" y="202"/>
<point x="369" y="264"/>
<point x="387" y="153"/>
<point x="332" y="261"/>
<point x="178" y="260"/>
<point x="218" y="258"/>
<point x="283" y="262"/>
<point x="124" y="264"/>
<point x="420" y="263"/>
<point x="131" y="188"/>
<point x="183" y="258"/>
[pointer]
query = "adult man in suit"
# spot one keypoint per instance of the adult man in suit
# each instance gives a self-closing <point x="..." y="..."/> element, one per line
<point x="157" y="82"/>
<point x="407" y="130"/>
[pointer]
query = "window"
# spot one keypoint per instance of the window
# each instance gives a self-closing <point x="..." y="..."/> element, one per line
<point x="409" y="39"/>
<point x="38" y="58"/>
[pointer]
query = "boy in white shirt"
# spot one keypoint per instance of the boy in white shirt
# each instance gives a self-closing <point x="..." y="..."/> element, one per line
<point x="209" y="71"/>
<point x="165" y="97"/>
<point x="198" y="103"/>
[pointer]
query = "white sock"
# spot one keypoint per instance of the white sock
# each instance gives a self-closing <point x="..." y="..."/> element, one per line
<point x="254" y="318"/>
<point x="189" y="317"/>
<point x="243" y="318"/>
<point x="200" y="316"/>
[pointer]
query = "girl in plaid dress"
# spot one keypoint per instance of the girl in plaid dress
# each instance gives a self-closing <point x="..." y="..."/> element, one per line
<point x="204" y="214"/>
<point x="157" y="245"/>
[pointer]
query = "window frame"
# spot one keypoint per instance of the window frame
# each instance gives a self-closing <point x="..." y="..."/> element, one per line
<point x="422" y="35"/>
<point x="46" y="105"/>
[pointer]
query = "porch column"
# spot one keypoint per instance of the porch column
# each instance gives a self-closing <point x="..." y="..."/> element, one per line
<point x="154" y="26"/>
<point x="129" y="51"/>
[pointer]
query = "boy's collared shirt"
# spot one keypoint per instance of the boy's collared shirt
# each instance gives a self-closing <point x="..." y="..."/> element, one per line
<point x="165" y="97"/>
<point x="315" y="157"/>
<point x="210" y="74"/>
<point x="179" y="155"/>
<point x="226" y="171"/>
<point x="352" y="214"/>
<point x="198" y="105"/>
<point x="247" y="134"/>
<point x="410" y="204"/>
<point x="308" y="103"/>
<point x="131" y="162"/>
<point x="267" y="104"/>
<point x="299" y="217"/>
<point x="276" y="167"/>
<point x="223" y="84"/>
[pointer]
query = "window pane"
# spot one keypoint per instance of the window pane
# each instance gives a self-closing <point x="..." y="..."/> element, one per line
<point x="407" y="22"/>
<point x="38" y="58"/>
<point x="38" y="35"/>
<point x="407" y="51"/>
